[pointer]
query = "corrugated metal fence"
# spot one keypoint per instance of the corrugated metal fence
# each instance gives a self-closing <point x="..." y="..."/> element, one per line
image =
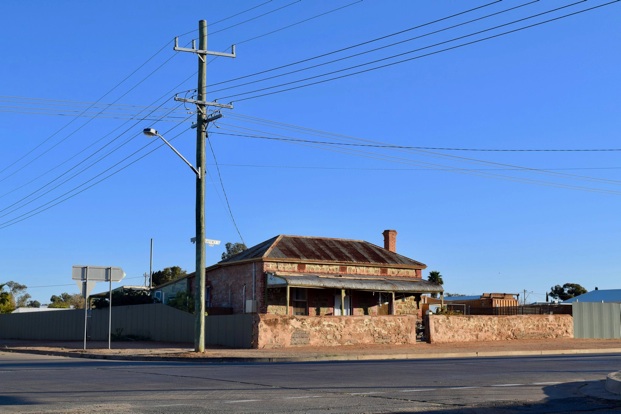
<point x="597" y="320"/>
<point x="154" y="322"/>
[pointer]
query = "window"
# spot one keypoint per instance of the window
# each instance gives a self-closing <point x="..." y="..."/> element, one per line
<point x="299" y="301"/>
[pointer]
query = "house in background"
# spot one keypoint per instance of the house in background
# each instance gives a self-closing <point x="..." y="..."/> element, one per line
<point x="487" y="303"/>
<point x="168" y="291"/>
<point x="319" y="276"/>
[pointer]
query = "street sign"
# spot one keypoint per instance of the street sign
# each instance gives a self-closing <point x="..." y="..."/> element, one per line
<point x="86" y="277"/>
<point x="208" y="242"/>
<point x="97" y="273"/>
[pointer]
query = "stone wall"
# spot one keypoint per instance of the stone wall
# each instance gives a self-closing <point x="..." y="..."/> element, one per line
<point x="276" y="331"/>
<point x="468" y="328"/>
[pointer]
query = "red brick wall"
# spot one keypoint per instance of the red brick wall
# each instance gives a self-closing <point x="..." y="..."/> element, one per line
<point x="227" y="286"/>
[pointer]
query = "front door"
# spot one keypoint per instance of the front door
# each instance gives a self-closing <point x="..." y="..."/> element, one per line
<point x="337" y="305"/>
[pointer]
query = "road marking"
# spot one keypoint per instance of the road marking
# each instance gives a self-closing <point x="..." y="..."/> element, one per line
<point x="240" y="401"/>
<point x="462" y="388"/>
<point x="365" y="393"/>
<point x="547" y="383"/>
<point x="420" y="390"/>
<point x="302" y="397"/>
<point x="507" y="385"/>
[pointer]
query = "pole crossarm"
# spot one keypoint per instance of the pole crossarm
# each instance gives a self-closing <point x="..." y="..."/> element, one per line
<point x="203" y="52"/>
<point x="204" y="103"/>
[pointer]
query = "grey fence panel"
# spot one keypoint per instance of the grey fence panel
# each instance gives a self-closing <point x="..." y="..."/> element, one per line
<point x="61" y="325"/>
<point x="233" y="331"/>
<point x="597" y="320"/>
<point x="154" y="321"/>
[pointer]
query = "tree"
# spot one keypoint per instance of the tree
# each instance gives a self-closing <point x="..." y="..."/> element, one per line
<point x="567" y="291"/>
<point x="167" y="275"/>
<point x="7" y="302"/>
<point x="33" y="304"/>
<point x="66" y="300"/>
<point x="18" y="291"/>
<point x="232" y="249"/>
<point x="22" y="300"/>
<point x="435" y="277"/>
<point x="182" y="301"/>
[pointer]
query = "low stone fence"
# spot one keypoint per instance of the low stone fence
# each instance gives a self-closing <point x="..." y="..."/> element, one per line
<point x="277" y="331"/>
<point x="469" y="328"/>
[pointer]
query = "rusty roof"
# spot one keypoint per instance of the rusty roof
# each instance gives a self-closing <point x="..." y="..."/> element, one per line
<point x="324" y="250"/>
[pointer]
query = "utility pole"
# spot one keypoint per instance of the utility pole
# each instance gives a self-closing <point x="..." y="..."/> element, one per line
<point x="202" y="120"/>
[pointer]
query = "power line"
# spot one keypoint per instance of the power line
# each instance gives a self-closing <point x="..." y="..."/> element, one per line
<point x="486" y="173"/>
<point x="228" y="205"/>
<point x="230" y="17"/>
<point x="68" y="194"/>
<point x="315" y="167"/>
<point x="83" y="161"/>
<point x="404" y="60"/>
<point x="98" y="100"/>
<point x="297" y="23"/>
<point x="352" y="46"/>
<point x="256" y="17"/>
<point x="392" y="146"/>
<point x="94" y="143"/>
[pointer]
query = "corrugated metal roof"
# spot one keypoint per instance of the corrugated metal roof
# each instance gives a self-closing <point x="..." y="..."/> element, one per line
<point x="604" y="295"/>
<point x="323" y="249"/>
<point x="374" y="284"/>
<point x="460" y="298"/>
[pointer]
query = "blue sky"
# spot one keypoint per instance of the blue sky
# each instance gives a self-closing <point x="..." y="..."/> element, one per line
<point x="445" y="144"/>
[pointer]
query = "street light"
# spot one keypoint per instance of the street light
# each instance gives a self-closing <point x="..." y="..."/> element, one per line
<point x="199" y="276"/>
<point x="150" y="132"/>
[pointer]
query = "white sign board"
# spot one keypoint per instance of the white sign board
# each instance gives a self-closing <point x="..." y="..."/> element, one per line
<point x="97" y="273"/>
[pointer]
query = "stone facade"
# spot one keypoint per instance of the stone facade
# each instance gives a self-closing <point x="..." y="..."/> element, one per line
<point x="317" y="268"/>
<point x="469" y="328"/>
<point x="277" y="331"/>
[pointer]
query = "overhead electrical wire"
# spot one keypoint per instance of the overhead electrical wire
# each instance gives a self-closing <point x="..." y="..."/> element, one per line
<point x="88" y="166"/>
<point x="228" y="97"/>
<point x="92" y="144"/>
<point x="257" y="17"/>
<point x="393" y="146"/>
<point x="97" y="101"/>
<point x="297" y="23"/>
<point x="87" y="184"/>
<point x="481" y="173"/>
<point x="479" y="40"/>
<point x="228" y="204"/>
<point x="184" y="81"/>
<point x="375" y="145"/>
<point x="229" y="17"/>
<point x="137" y="119"/>
<point x="352" y="46"/>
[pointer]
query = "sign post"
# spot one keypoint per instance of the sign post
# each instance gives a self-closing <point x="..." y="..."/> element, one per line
<point x="86" y="277"/>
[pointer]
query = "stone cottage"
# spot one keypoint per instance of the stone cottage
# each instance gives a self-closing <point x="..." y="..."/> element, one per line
<point x="319" y="276"/>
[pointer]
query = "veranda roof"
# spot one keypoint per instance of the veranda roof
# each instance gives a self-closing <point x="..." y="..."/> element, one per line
<point x="357" y="282"/>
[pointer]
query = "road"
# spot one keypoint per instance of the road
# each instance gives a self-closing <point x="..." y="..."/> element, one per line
<point x="45" y="384"/>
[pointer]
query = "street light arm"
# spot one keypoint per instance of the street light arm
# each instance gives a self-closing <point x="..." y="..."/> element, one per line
<point x="153" y="133"/>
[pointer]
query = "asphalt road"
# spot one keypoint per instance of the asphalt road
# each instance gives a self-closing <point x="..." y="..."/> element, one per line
<point x="42" y="384"/>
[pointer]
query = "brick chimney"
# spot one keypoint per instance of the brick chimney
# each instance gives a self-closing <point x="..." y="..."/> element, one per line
<point x="390" y="240"/>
